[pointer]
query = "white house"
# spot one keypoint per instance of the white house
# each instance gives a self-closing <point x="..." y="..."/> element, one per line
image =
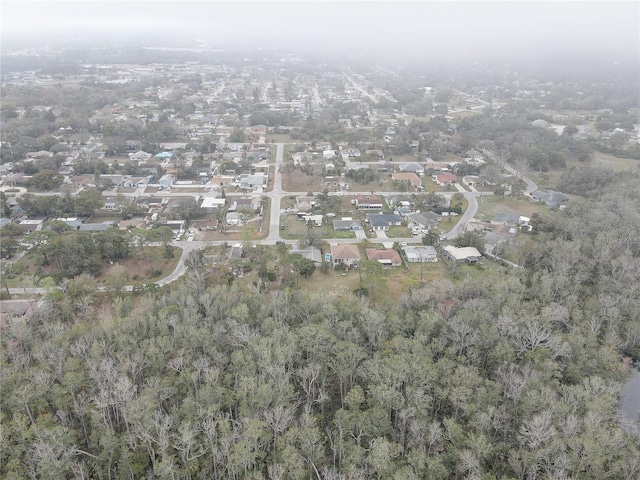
<point x="140" y="156"/>
<point x="328" y="154"/>
<point x="209" y="203"/>
<point x="253" y="182"/>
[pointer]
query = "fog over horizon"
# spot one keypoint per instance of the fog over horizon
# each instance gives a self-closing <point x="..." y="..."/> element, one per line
<point x="454" y="31"/>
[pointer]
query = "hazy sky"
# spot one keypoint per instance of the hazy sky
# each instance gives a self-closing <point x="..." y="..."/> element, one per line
<point x="458" y="28"/>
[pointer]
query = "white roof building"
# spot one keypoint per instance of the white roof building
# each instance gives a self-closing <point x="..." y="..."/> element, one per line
<point x="212" y="202"/>
<point x="462" y="254"/>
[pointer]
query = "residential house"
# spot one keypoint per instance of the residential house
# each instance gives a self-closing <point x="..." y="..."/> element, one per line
<point x="388" y="258"/>
<point x="421" y="221"/>
<point x="419" y="254"/>
<point x="432" y="215"/>
<point x="511" y="219"/>
<point x="246" y="203"/>
<point x="235" y="252"/>
<point x="167" y="180"/>
<point x="463" y="254"/>
<point x="137" y="182"/>
<point x="234" y="219"/>
<point x="438" y="167"/>
<point x="172" y="147"/>
<point x="301" y="157"/>
<point x="314" y="219"/>
<point x="346" y="225"/>
<point x="212" y="203"/>
<point x="235" y="147"/>
<point x="412" y="168"/>
<point x="383" y="220"/>
<point x="401" y="201"/>
<point x="472" y="180"/>
<point x="73" y="222"/>
<point x="305" y="203"/>
<point x="254" y="156"/>
<point x="550" y="198"/>
<point x="95" y="227"/>
<point x="84" y="181"/>
<point x="409" y="178"/>
<point x="177" y="226"/>
<point x="368" y="202"/>
<point x="150" y="202"/>
<point x="148" y="168"/>
<point x="258" y="130"/>
<point x="221" y="181"/>
<point x="113" y="180"/>
<point x="30" y="225"/>
<point x="328" y="154"/>
<point x="443" y="179"/>
<point x="377" y="154"/>
<point x="348" y="153"/>
<point x="132" y="145"/>
<point x="140" y="156"/>
<point x="310" y="253"/>
<point x="39" y="154"/>
<point x="345" y="254"/>
<point x="111" y="203"/>
<point x="255" y="182"/>
<point x="336" y="181"/>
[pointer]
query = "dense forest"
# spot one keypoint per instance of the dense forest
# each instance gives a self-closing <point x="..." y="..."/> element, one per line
<point x="517" y="379"/>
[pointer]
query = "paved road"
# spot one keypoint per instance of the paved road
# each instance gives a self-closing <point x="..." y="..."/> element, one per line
<point x="276" y="195"/>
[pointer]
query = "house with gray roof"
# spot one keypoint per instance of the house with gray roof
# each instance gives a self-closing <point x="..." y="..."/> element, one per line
<point x="550" y="198"/>
<point x="412" y="167"/>
<point x="421" y="221"/>
<point x="425" y="253"/>
<point x="383" y="220"/>
<point x="310" y="253"/>
<point x="346" y="225"/>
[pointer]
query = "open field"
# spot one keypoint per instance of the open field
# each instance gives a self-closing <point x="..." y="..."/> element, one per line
<point x="615" y="163"/>
<point x="551" y="179"/>
<point x="489" y="206"/>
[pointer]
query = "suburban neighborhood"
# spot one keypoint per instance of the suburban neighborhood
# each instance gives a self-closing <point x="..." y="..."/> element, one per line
<point x="319" y="240"/>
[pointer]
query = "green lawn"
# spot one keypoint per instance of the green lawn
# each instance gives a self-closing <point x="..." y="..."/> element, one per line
<point x="489" y="206"/>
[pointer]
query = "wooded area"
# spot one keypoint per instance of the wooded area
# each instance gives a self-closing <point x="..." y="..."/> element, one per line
<point x="517" y="379"/>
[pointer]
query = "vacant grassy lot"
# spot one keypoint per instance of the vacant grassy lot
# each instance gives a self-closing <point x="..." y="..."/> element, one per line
<point x="615" y="163"/>
<point x="489" y="206"/>
<point x="296" y="228"/>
